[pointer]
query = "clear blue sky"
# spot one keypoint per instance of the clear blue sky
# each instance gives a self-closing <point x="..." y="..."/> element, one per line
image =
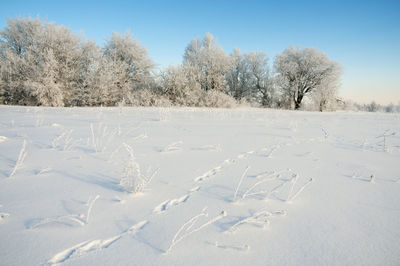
<point x="364" y="36"/>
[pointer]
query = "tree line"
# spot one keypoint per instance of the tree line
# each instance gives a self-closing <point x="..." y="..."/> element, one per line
<point x="44" y="64"/>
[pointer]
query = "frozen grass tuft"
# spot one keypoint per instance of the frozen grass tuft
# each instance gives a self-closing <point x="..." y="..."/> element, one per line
<point x="384" y="136"/>
<point x="63" y="142"/>
<point x="101" y="137"/>
<point x="163" y="114"/>
<point x="133" y="180"/>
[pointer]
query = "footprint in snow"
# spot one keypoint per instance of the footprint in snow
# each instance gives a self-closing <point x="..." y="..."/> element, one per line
<point x="170" y="203"/>
<point x="86" y="247"/>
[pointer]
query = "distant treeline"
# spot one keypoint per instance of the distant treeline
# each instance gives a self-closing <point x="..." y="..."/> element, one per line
<point x="44" y="64"/>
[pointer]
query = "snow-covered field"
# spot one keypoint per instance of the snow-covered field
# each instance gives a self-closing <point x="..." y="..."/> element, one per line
<point x="216" y="187"/>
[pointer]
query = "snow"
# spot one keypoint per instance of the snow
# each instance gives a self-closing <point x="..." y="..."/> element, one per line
<point x="228" y="187"/>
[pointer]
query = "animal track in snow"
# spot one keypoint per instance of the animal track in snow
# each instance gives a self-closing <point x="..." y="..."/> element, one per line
<point x="218" y="168"/>
<point x="208" y="148"/>
<point x="245" y="154"/>
<point x="43" y="171"/>
<point x="175" y="146"/>
<point x="141" y="136"/>
<point x="170" y="203"/>
<point x="194" y="189"/>
<point x="268" y="152"/>
<point x="208" y="174"/>
<point x="93" y="245"/>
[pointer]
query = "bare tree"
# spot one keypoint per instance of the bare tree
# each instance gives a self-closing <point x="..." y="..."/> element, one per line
<point x="301" y="71"/>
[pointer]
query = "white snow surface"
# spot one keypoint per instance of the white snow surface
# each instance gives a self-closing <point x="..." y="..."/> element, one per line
<point x="230" y="187"/>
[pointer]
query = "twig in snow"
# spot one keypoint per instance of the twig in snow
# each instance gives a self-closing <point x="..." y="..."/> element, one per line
<point x="187" y="230"/>
<point x="3" y="216"/>
<point x="20" y="160"/>
<point x="293" y="182"/>
<point x="173" y="147"/>
<point x="90" y="206"/>
<point x="299" y="191"/>
<point x="273" y="150"/>
<point x="259" y="219"/>
<point x="240" y="182"/>
<point x="237" y="248"/>
<point x="325" y="133"/>
<point x="80" y="219"/>
<point x="44" y="170"/>
<point x="270" y="177"/>
<point x="372" y="179"/>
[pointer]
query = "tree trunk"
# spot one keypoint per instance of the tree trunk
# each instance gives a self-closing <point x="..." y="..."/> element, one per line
<point x="297" y="103"/>
<point x="322" y="105"/>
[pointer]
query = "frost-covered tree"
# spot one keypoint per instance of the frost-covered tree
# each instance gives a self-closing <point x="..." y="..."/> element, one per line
<point x="260" y="80"/>
<point x="87" y="75"/>
<point x="237" y="78"/>
<point x="66" y="48"/>
<point x="129" y="65"/>
<point x="300" y="71"/>
<point x="206" y="63"/>
<point x="43" y="85"/>
<point x="42" y="63"/>
<point x="390" y="108"/>
<point x="179" y="89"/>
<point x="249" y="77"/>
<point x="325" y="96"/>
<point x="28" y="66"/>
<point x="372" y="107"/>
